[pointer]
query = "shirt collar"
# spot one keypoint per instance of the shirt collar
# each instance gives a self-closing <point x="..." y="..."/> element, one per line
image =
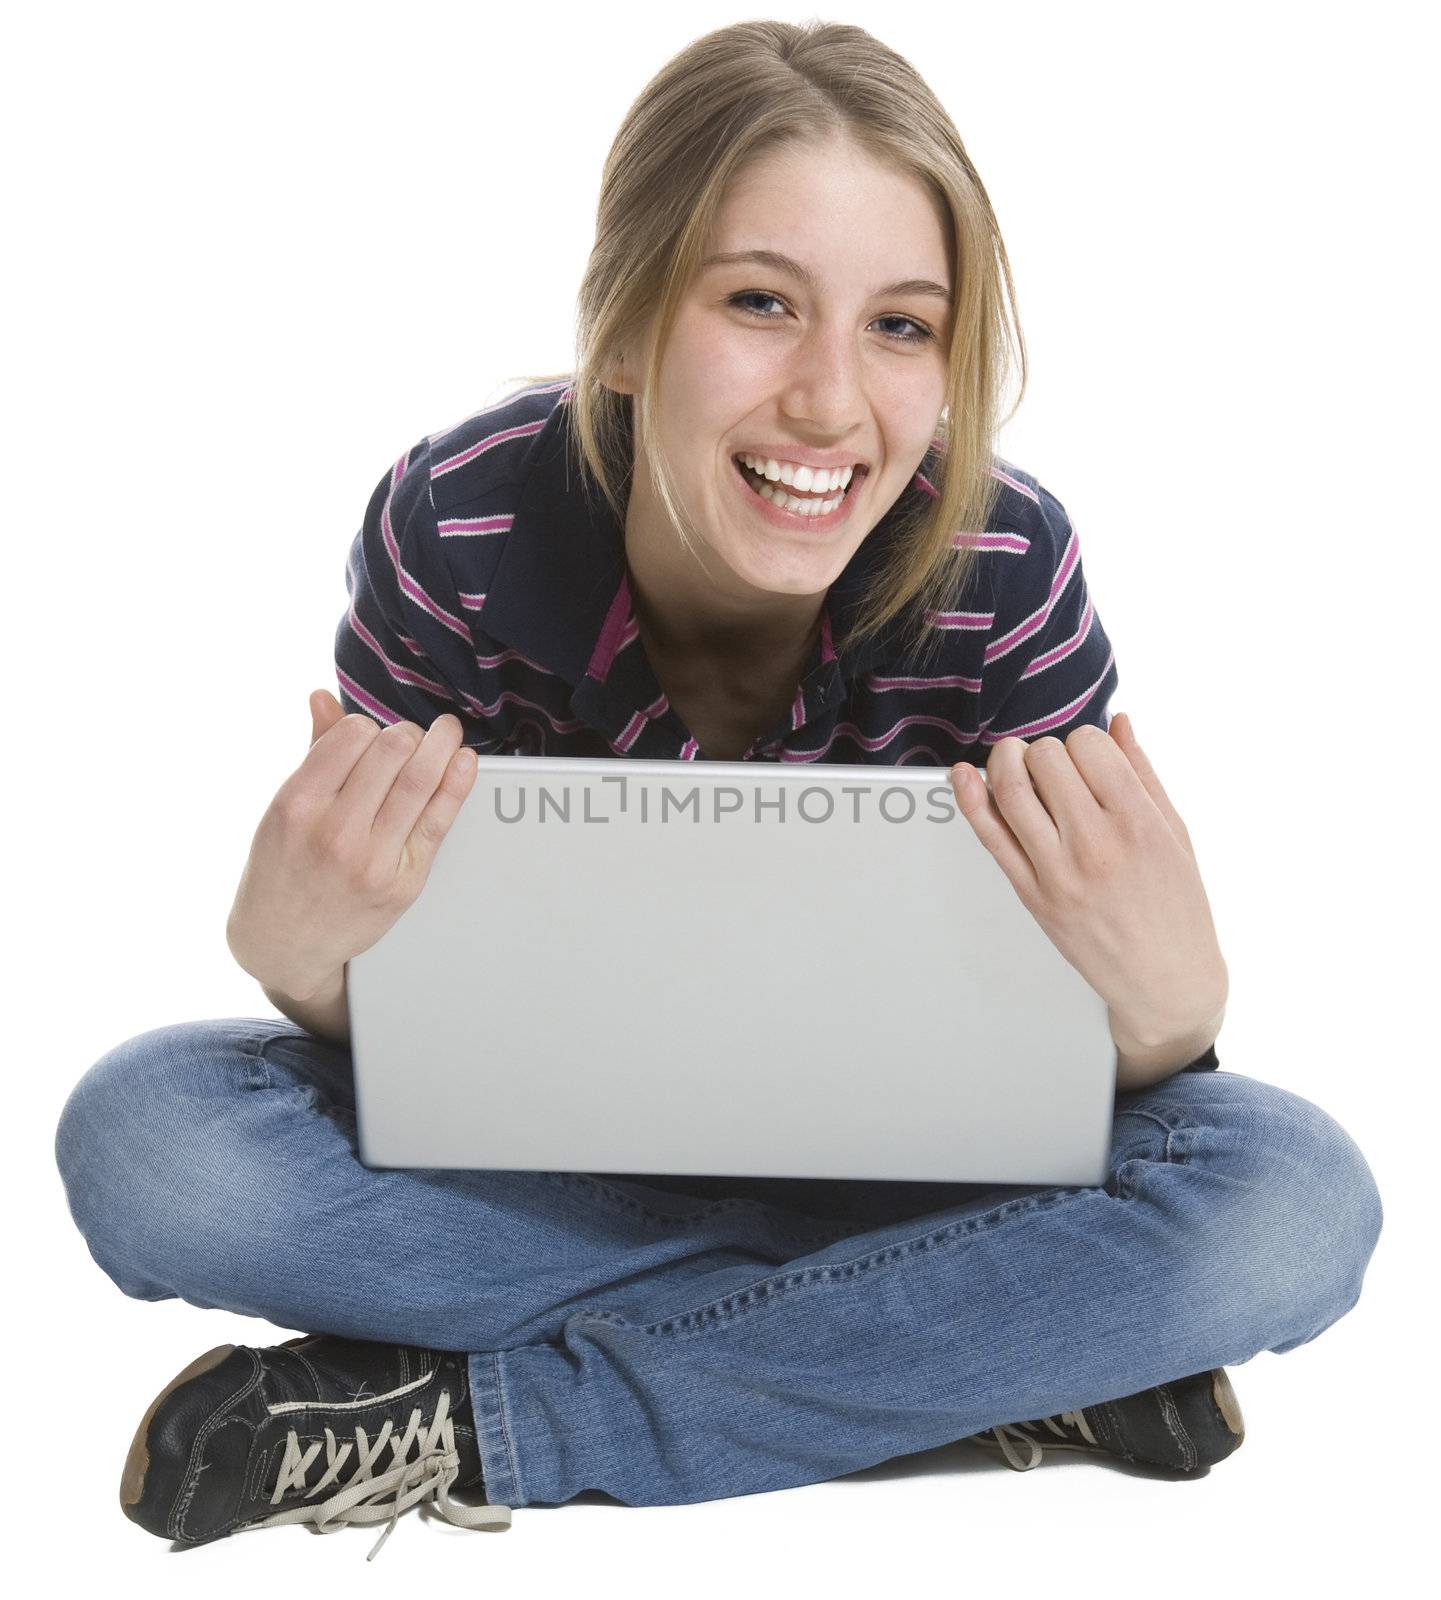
<point x="559" y="593"/>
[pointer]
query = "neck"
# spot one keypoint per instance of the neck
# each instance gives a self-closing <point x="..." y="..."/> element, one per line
<point x="726" y="642"/>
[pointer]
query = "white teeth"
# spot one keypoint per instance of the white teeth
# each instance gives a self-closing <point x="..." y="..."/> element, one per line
<point x="806" y="508"/>
<point x="806" y="478"/>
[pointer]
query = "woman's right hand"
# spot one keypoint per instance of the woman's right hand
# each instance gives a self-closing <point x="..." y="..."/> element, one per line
<point x="346" y="845"/>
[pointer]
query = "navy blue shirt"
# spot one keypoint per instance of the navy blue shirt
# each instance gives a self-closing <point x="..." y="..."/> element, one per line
<point x="485" y="581"/>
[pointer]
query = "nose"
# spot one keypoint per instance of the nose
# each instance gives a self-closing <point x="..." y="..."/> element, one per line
<point x="825" y="383"/>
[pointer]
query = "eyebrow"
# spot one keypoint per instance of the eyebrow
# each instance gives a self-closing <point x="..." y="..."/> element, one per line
<point x="782" y="263"/>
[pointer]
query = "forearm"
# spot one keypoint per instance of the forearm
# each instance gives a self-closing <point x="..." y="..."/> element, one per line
<point x="1139" y="1065"/>
<point x="324" y="1014"/>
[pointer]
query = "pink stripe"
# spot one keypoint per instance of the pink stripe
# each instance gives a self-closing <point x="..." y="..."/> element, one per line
<point x="1041" y="615"/>
<point x="509" y="654"/>
<point x="365" y="699"/>
<point x="1015" y="543"/>
<point x="630" y="733"/>
<point x="851" y="730"/>
<point x="617" y="619"/>
<point x="1057" y="718"/>
<point x="923" y="483"/>
<point x="1048" y="658"/>
<point x="523" y="430"/>
<point x="828" y="650"/>
<point x="689" y="750"/>
<point x="1016" y="484"/>
<point x="450" y="527"/>
<point x="404" y="582"/>
<point x="500" y="405"/>
<point x="954" y="681"/>
<point x="509" y="697"/>
<point x="959" y="621"/>
<point x="397" y="673"/>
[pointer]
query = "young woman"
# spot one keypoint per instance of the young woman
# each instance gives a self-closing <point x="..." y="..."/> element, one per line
<point x="763" y="519"/>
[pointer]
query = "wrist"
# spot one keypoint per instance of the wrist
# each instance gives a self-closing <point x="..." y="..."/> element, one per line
<point x="1138" y="1066"/>
<point x="1138" y="1031"/>
<point x="1146" y="1036"/>
<point x="311" y="992"/>
<point x="278" y="977"/>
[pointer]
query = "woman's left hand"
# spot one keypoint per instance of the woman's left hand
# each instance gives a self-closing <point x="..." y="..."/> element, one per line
<point x="1101" y="859"/>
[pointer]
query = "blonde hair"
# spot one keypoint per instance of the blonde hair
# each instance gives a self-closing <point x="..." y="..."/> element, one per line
<point x="723" y="102"/>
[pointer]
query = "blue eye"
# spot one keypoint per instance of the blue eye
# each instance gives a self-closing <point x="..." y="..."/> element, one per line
<point x="920" y="336"/>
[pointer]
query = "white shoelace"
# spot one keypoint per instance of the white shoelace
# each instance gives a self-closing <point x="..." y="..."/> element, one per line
<point x="1023" y="1433"/>
<point x="434" y="1469"/>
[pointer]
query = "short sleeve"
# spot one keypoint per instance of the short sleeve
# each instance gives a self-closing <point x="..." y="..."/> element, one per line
<point x="404" y="650"/>
<point x="1049" y="666"/>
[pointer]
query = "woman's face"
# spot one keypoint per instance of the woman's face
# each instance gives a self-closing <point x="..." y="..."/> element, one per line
<point x="849" y="362"/>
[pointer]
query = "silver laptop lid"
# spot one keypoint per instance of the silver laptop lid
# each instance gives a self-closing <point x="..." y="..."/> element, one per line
<point x="810" y="971"/>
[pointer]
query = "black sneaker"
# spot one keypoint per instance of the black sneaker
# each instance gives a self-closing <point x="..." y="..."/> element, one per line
<point x="1187" y="1426"/>
<point x="235" y="1441"/>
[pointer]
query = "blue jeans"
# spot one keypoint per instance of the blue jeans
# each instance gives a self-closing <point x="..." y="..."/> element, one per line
<point x="674" y="1339"/>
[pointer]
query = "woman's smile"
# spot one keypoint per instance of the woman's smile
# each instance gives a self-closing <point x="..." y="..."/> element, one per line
<point x="764" y="498"/>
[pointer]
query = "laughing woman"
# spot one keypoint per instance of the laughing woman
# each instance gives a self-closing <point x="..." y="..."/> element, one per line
<point x="762" y="519"/>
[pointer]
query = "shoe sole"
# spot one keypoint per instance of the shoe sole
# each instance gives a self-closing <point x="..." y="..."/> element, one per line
<point x="137" y="1462"/>
<point x="1227" y="1403"/>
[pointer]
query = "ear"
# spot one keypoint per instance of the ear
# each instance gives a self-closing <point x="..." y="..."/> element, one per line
<point x="616" y="376"/>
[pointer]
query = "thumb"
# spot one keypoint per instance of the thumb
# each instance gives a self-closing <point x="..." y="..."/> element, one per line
<point x="325" y="712"/>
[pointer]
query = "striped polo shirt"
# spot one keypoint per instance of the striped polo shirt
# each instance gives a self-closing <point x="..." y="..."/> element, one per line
<point x="488" y="581"/>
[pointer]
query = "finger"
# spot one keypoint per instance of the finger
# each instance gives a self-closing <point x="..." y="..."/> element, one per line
<point x="1102" y="766"/>
<point x="1061" y="788"/>
<point x="979" y="808"/>
<point x="434" y="822"/>
<point x="1150" y="782"/>
<point x="330" y="764"/>
<point x="421" y="772"/>
<point x="325" y="712"/>
<point x="1014" y="794"/>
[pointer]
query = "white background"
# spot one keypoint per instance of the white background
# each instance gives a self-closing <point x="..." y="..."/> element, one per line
<point x="259" y="250"/>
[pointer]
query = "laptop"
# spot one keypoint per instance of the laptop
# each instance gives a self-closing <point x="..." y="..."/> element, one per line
<point x="716" y="967"/>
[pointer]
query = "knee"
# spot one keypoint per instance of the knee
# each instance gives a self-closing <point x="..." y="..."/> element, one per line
<point x="1297" y="1206"/>
<point x="130" y="1127"/>
<point x="137" y="1090"/>
<point x="1320" y="1176"/>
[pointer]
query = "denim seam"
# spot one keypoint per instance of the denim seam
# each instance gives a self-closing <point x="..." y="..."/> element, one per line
<point x="768" y="1290"/>
<point x="714" y="1208"/>
<point x="312" y="1094"/>
<point x="1180" y="1127"/>
<point x="254" y="1047"/>
<point x="489" y="1409"/>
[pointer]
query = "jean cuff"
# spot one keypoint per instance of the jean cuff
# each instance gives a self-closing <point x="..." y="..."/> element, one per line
<point x="492" y="1430"/>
